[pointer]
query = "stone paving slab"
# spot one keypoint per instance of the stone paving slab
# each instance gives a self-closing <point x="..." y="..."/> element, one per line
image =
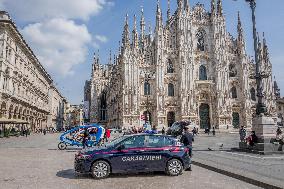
<point x="264" y="168"/>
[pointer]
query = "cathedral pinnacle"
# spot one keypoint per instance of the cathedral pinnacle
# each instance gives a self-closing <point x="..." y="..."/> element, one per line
<point x="114" y="59"/>
<point x="150" y="33"/>
<point x="186" y="5"/>
<point x="142" y="28"/>
<point x="98" y="57"/>
<point x="135" y="23"/>
<point x="213" y="7"/>
<point x="135" y="34"/>
<point x="219" y="8"/>
<point x="158" y="7"/>
<point x="110" y="57"/>
<point x="179" y="6"/>
<point x="94" y="55"/>
<point x="169" y="10"/>
<point x="240" y="28"/>
<point x="240" y="39"/>
<point x="158" y="16"/>
<point x="125" y="35"/>
<point x="142" y="23"/>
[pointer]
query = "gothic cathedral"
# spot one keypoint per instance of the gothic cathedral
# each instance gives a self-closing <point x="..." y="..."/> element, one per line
<point x="189" y="68"/>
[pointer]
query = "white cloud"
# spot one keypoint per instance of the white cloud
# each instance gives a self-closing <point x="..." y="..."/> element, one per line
<point x="38" y="10"/>
<point x="60" y="44"/>
<point x="101" y="38"/>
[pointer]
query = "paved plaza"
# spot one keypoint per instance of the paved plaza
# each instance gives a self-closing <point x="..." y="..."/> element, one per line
<point x="216" y="152"/>
<point x="35" y="162"/>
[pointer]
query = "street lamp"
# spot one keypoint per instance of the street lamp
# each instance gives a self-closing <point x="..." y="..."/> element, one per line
<point x="261" y="107"/>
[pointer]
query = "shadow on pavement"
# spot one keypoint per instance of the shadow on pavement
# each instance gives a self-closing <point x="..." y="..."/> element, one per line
<point x="210" y="150"/>
<point x="149" y="174"/>
<point x="67" y="150"/>
<point x="71" y="174"/>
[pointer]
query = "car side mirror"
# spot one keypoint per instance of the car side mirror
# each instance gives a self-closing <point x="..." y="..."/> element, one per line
<point x="120" y="147"/>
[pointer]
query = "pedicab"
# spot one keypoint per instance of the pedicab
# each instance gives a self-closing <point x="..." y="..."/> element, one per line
<point x="74" y="137"/>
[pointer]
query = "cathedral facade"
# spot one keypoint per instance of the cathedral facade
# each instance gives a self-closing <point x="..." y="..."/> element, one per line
<point x="190" y="68"/>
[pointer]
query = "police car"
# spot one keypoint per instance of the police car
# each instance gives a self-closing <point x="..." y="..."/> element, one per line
<point x="134" y="153"/>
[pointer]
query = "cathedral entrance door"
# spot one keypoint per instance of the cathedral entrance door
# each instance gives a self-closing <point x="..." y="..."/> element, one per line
<point x="204" y="116"/>
<point x="171" y="118"/>
<point x="236" y="120"/>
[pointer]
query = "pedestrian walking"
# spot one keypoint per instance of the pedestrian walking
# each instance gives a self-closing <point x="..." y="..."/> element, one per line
<point x="280" y="139"/>
<point x="26" y="132"/>
<point x="207" y="130"/>
<point x="213" y="131"/>
<point x="163" y="131"/>
<point x="85" y="138"/>
<point x="107" y="134"/>
<point x="44" y="131"/>
<point x="194" y="131"/>
<point x="242" y="133"/>
<point x="187" y="139"/>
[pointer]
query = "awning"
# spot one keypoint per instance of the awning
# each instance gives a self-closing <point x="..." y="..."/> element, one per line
<point x="12" y="121"/>
<point x="20" y="121"/>
<point x="5" y="120"/>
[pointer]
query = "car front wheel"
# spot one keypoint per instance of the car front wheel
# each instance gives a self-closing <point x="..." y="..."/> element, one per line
<point x="100" y="169"/>
<point x="174" y="167"/>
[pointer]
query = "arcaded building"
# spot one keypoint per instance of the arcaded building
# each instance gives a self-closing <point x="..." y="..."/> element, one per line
<point x="28" y="95"/>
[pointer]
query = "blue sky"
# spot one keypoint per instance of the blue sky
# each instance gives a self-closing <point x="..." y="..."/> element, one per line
<point x="64" y="34"/>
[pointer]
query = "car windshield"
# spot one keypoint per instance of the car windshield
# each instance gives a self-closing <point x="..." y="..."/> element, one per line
<point x="116" y="141"/>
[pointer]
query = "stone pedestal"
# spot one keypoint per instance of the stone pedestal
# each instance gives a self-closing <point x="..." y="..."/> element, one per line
<point x="265" y="130"/>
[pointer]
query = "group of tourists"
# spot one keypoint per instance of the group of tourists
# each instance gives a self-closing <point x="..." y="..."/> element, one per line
<point x="252" y="139"/>
<point x="136" y="130"/>
<point x="208" y="130"/>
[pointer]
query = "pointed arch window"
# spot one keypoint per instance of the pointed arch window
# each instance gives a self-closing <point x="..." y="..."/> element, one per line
<point x="202" y="73"/>
<point x="103" y="106"/>
<point x="147" y="88"/>
<point x="200" y="35"/>
<point x="234" y="92"/>
<point x="252" y="94"/>
<point x="233" y="70"/>
<point x="170" y="67"/>
<point x="171" y="89"/>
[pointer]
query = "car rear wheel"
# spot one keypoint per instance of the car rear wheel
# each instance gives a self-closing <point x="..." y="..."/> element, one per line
<point x="62" y="146"/>
<point x="174" y="167"/>
<point x="100" y="169"/>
